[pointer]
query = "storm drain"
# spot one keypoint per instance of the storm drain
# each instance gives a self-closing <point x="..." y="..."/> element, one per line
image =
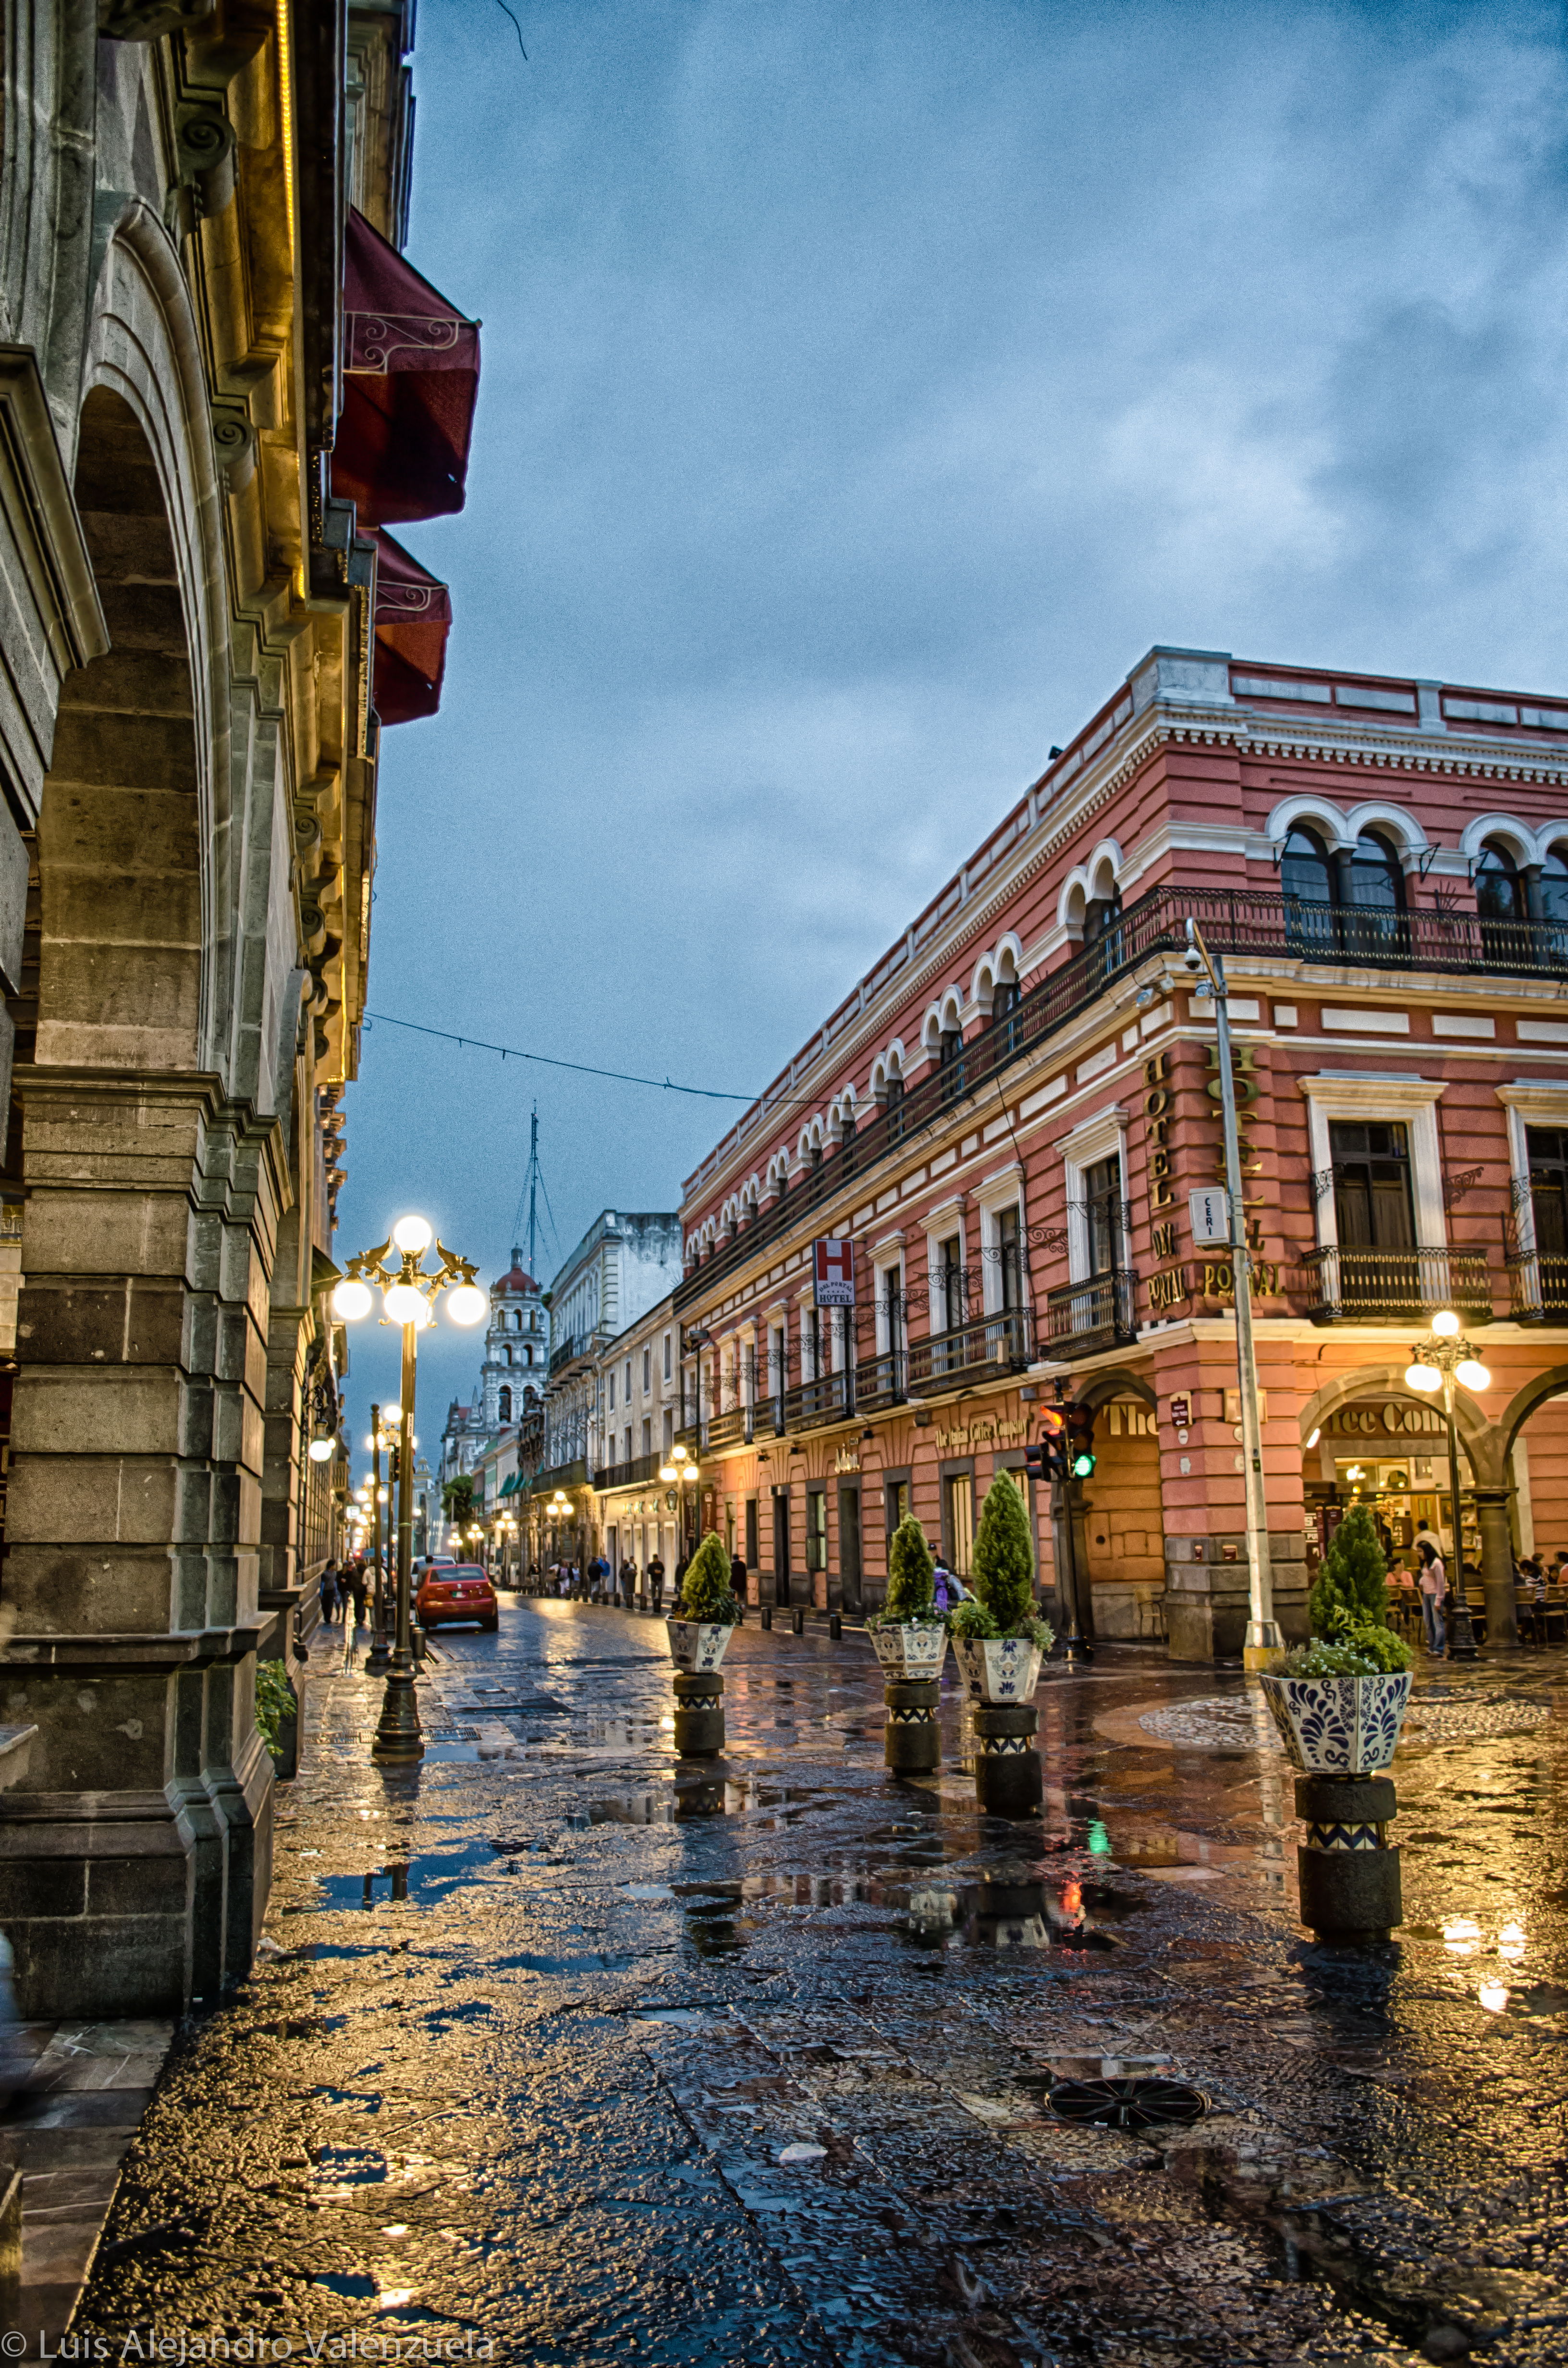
<point x="1141" y="2104"/>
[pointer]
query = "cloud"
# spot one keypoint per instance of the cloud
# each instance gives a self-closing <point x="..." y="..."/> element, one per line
<point x="864" y="391"/>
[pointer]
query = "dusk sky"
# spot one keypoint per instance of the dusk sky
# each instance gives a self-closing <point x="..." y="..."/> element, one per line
<point x="865" y="388"/>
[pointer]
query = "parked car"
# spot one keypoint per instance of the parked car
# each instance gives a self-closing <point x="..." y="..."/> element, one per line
<point x="451" y="1591"/>
<point x="435" y="1562"/>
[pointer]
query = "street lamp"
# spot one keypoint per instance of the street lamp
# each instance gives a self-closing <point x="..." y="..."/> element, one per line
<point x="1265" y="1646"/>
<point x="408" y="1297"/>
<point x="385" y="1421"/>
<point x="1438" y="1364"/>
<point x="680" y="1468"/>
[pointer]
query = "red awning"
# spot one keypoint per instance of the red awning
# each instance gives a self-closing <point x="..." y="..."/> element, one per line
<point x="414" y="615"/>
<point x="410" y="366"/>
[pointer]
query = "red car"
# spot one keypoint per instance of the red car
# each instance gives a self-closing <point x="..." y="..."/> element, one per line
<point x="457" y="1591"/>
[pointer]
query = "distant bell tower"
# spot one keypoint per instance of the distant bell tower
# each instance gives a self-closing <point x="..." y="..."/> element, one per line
<point x="517" y="1350"/>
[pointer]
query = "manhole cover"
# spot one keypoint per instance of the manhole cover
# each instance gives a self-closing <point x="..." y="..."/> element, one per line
<point x="1128" y="2104"/>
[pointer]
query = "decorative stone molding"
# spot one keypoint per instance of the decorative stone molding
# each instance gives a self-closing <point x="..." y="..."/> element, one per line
<point x="53" y="620"/>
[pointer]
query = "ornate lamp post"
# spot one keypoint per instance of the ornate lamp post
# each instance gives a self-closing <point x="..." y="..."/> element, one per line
<point x="680" y="1468"/>
<point x="1437" y="1364"/>
<point x="408" y="1297"/>
<point x="385" y="1421"/>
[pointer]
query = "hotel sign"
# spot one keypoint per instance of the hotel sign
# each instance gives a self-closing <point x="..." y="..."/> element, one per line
<point x="833" y="1271"/>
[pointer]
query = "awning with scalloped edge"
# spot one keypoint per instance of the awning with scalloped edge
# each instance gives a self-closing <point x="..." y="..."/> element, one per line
<point x="411" y="375"/>
<point x="414" y="615"/>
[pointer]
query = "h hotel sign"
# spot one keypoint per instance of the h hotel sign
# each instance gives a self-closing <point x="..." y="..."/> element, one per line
<point x="833" y="1270"/>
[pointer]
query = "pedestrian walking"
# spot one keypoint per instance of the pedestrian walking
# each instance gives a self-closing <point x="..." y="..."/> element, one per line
<point x="1434" y="1586"/>
<point x="628" y="1581"/>
<point x="329" y="1596"/>
<point x="656" y="1582"/>
<point x="737" y="1578"/>
<point x="359" y="1591"/>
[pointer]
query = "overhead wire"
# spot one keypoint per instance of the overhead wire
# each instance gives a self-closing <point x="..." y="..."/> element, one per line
<point x="588" y="1069"/>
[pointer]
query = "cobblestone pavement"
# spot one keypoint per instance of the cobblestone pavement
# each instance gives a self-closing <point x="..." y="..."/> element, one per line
<point x="560" y="2053"/>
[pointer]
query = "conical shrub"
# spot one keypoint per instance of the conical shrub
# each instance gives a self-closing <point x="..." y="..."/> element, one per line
<point x="1004" y="1556"/>
<point x="706" y="1593"/>
<point x="1351" y="1588"/>
<point x="912" y="1574"/>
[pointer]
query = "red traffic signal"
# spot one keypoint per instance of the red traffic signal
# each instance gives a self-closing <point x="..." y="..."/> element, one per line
<point x="1054" y="1442"/>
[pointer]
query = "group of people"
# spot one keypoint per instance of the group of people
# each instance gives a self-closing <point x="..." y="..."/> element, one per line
<point x="1429" y="1578"/>
<point x="342" y="1585"/>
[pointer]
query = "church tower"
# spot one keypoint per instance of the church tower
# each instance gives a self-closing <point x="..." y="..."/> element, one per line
<point x="516" y="1349"/>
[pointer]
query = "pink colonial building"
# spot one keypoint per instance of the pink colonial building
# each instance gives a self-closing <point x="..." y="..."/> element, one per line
<point x="1009" y="1117"/>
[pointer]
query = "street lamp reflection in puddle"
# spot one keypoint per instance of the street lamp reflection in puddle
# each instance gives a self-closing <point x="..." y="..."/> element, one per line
<point x="1494" y="1997"/>
<point x="1461" y="1936"/>
<point x="1511" y="1943"/>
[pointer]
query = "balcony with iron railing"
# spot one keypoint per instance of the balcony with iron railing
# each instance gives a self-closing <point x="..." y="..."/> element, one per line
<point x="813" y="1406"/>
<point x="640" y="1472"/>
<point x="1083" y="1318"/>
<point x="880" y="1381"/>
<point x="1267" y="927"/>
<point x="1356" y="1285"/>
<point x="564" y="1352"/>
<point x="1537" y="1286"/>
<point x="999" y="1343"/>
<point x="731" y="1428"/>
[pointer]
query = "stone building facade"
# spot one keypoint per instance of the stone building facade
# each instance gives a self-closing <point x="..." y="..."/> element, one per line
<point x="1014" y="1123"/>
<point x="202" y="627"/>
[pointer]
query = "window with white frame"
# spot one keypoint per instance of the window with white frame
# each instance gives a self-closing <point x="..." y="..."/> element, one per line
<point x="1094" y="1158"/>
<point x="1001" y="1241"/>
<point x="1376" y="1138"/>
<point x="888" y="1273"/>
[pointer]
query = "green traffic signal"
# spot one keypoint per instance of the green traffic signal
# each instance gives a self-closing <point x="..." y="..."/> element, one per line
<point x="1083" y="1465"/>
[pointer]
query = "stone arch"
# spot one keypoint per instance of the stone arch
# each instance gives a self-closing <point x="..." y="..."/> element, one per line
<point x="1117" y="1382"/>
<point x="120" y="935"/>
<point x="145" y="349"/>
<point x="1551" y="1384"/>
<point x="1482" y="1440"/>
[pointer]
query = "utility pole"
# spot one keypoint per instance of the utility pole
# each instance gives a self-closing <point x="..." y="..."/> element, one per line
<point x="1265" y="1647"/>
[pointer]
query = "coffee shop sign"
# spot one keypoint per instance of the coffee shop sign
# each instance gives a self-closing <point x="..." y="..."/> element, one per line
<point x="981" y="1434"/>
<point x="1392" y="1415"/>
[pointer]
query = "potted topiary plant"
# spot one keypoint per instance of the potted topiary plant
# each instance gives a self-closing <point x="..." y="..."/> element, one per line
<point x="699" y="1639"/>
<point x="999" y="1637"/>
<point x="909" y="1636"/>
<point x="1340" y="1700"/>
<point x="701" y="1632"/>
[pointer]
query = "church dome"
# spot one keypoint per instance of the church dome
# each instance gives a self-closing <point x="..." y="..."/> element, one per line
<point x="514" y="1283"/>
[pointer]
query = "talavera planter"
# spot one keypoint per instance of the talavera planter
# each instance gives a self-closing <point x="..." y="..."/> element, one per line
<point x="998" y="1669"/>
<point x="697" y="1644"/>
<point x="907" y="1651"/>
<point x="1339" y="1726"/>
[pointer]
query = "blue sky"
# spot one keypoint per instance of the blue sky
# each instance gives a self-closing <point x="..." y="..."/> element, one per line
<point x="865" y="388"/>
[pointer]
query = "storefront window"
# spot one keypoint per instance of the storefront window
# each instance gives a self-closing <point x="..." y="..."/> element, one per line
<point x="958" y="1507"/>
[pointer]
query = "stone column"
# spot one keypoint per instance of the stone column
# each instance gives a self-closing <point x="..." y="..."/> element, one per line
<point x="135" y="1859"/>
<point x="1497" y="1567"/>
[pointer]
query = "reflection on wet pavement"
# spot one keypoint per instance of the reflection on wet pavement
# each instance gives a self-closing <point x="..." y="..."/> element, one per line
<point x="559" y="2047"/>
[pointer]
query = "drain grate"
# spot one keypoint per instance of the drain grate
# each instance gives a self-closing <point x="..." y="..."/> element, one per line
<point x="1144" y="2104"/>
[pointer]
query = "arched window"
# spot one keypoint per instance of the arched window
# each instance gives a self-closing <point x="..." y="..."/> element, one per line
<point x="1304" y="870"/>
<point x="1499" y="891"/>
<point x="504" y="1405"/>
<point x="1554" y="887"/>
<point x="949" y="1056"/>
<point x="1377" y="876"/>
<point x="1103" y="935"/>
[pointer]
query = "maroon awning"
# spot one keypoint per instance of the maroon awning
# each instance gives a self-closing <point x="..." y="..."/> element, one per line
<point x="410" y="366"/>
<point x="414" y="615"/>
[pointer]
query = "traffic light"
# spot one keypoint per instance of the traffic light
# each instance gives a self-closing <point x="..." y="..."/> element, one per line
<point x="1080" y="1440"/>
<point x="1034" y="1460"/>
<point x="1054" y="1442"/>
<point x="391" y="1468"/>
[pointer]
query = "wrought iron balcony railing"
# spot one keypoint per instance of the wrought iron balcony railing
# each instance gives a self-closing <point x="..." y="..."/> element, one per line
<point x="810" y="1404"/>
<point x="998" y="1343"/>
<point x="880" y="1381"/>
<point x="1260" y="926"/>
<point x="640" y="1472"/>
<point x="729" y="1430"/>
<point x="1082" y="1318"/>
<point x="563" y="1352"/>
<point x="1538" y="1287"/>
<point x="1379" y="1286"/>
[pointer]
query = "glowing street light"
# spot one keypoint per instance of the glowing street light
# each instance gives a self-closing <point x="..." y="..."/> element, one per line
<point x="408" y="1299"/>
<point x="1437" y="1364"/>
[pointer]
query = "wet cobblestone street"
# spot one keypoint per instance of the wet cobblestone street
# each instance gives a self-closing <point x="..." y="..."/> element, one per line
<point x="562" y="2049"/>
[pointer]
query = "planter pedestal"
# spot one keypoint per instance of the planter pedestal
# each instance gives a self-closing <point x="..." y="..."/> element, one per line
<point x="913" y="1744"/>
<point x="1347" y="1869"/>
<point x="1008" y="1781"/>
<point x="699" y="1714"/>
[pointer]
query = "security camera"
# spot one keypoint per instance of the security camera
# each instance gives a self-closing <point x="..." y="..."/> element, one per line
<point x="1192" y="960"/>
